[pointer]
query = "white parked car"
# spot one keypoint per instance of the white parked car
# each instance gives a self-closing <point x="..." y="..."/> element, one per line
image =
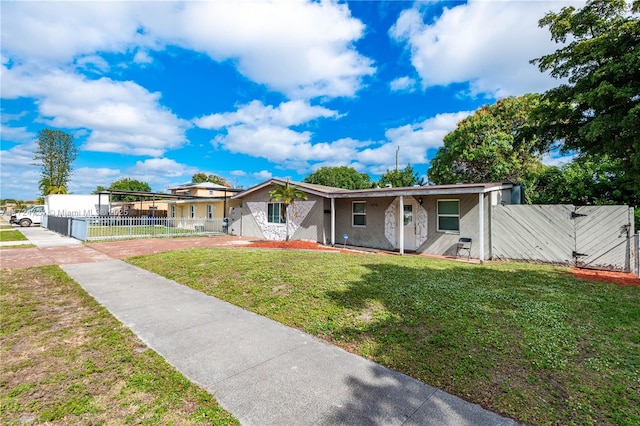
<point x="28" y="217"/>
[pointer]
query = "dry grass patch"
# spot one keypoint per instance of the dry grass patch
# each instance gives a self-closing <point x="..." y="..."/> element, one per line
<point x="66" y="360"/>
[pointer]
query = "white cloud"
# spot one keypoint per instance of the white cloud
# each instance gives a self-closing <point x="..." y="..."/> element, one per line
<point x="85" y="180"/>
<point x="303" y="49"/>
<point x="161" y="173"/>
<point x="19" y="155"/>
<point x="486" y="43"/>
<point x="403" y="84"/>
<point x="256" y="114"/>
<point x="15" y="134"/>
<point x="122" y="117"/>
<point x="142" y="57"/>
<point x="264" y="131"/>
<point x="164" y="167"/>
<point x="54" y="33"/>
<point x="93" y="63"/>
<point x="413" y="141"/>
<point x="238" y="173"/>
<point x="262" y="175"/>
<point x="20" y="175"/>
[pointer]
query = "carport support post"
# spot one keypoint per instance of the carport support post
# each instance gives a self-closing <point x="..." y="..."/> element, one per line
<point x="333" y="221"/>
<point x="401" y="225"/>
<point x="481" y="225"/>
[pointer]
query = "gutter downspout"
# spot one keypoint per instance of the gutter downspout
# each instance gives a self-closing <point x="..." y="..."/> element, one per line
<point x="481" y="225"/>
<point x="401" y="225"/>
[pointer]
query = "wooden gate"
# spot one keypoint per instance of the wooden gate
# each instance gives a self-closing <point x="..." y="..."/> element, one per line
<point x="597" y="237"/>
<point x="603" y="237"/>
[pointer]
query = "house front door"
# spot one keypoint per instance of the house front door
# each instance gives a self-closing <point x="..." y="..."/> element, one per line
<point x="409" y="225"/>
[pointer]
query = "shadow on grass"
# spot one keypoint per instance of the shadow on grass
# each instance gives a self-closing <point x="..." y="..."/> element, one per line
<point x="518" y="340"/>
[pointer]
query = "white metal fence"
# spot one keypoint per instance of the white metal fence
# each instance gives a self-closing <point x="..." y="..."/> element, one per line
<point x="98" y="228"/>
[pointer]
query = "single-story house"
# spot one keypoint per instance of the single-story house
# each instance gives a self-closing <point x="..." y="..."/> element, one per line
<point x="425" y="219"/>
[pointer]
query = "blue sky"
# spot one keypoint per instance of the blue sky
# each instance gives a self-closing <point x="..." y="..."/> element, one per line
<point x="158" y="91"/>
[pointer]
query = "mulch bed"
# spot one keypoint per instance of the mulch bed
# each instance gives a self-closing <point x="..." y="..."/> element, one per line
<point x="620" y="278"/>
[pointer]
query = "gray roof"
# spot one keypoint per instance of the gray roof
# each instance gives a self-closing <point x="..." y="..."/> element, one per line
<point x="331" y="192"/>
<point x="205" y="185"/>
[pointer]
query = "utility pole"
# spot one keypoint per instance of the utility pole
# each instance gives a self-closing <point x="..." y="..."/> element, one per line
<point x="397" y="152"/>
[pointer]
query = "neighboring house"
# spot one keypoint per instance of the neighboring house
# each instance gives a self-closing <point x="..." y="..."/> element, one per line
<point x="140" y="208"/>
<point x="427" y="219"/>
<point x="203" y="189"/>
<point x="213" y="201"/>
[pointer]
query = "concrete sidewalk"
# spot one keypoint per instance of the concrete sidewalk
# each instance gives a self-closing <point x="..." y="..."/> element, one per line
<point x="41" y="238"/>
<point x="261" y="371"/>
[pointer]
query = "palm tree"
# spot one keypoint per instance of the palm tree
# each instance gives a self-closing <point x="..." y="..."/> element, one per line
<point x="57" y="190"/>
<point x="287" y="195"/>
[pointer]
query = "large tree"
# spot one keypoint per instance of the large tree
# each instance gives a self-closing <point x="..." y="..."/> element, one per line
<point x="587" y="180"/>
<point x="340" y="177"/>
<point x="203" y="177"/>
<point x="286" y="194"/>
<point x="485" y="146"/>
<point x="55" y="153"/>
<point x="400" y="178"/>
<point x="597" y="110"/>
<point x="126" y="184"/>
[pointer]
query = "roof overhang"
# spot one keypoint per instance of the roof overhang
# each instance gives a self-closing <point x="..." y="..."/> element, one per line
<point x="414" y="191"/>
<point x="148" y="195"/>
<point x="319" y="190"/>
<point x="199" y="200"/>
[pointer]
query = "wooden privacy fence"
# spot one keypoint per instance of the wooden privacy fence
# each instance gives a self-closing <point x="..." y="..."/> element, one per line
<point x="597" y="237"/>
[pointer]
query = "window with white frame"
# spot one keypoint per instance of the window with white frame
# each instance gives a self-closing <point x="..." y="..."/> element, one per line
<point x="275" y="213"/>
<point x="173" y="210"/>
<point x="359" y="213"/>
<point x="448" y="215"/>
<point x="209" y="211"/>
<point x="192" y="211"/>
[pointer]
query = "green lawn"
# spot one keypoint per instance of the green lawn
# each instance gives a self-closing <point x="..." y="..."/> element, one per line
<point x="12" y="235"/>
<point x="137" y="231"/>
<point x="65" y="360"/>
<point x="528" y="341"/>
<point x="134" y="230"/>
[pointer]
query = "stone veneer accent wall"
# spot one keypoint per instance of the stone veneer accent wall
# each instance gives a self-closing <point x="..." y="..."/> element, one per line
<point x="391" y="223"/>
<point x="277" y="231"/>
<point x="422" y="220"/>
